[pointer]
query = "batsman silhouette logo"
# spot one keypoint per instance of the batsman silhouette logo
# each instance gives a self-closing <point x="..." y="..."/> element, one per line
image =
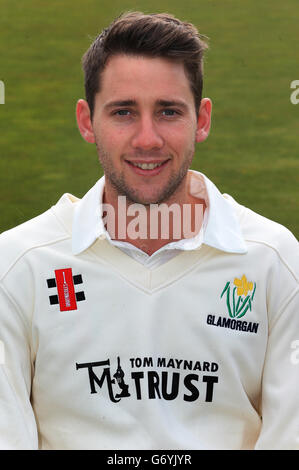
<point x="94" y="380"/>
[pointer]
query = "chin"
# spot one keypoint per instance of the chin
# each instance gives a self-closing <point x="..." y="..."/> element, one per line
<point x="145" y="201"/>
<point x="141" y="197"/>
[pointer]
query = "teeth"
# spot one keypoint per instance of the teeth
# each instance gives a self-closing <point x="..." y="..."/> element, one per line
<point x="147" y="166"/>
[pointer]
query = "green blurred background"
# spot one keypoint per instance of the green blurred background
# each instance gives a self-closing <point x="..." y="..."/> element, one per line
<point x="252" y="151"/>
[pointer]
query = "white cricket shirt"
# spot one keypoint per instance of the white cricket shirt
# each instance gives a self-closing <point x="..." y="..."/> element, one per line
<point x="103" y="352"/>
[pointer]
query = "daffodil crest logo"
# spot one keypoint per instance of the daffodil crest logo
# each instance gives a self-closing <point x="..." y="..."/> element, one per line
<point x="240" y="298"/>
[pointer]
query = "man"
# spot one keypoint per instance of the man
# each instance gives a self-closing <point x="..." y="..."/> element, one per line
<point x="123" y="331"/>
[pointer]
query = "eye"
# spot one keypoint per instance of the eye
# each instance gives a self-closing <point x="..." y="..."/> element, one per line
<point x="169" y="112"/>
<point x="122" y="112"/>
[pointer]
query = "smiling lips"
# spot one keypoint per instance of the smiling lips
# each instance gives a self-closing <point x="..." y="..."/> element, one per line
<point x="150" y="168"/>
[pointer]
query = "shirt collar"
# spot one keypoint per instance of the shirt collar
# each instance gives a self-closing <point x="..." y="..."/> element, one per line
<point x="221" y="228"/>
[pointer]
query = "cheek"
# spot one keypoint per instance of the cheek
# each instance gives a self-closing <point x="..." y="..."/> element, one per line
<point x="113" y="141"/>
<point x="105" y="140"/>
<point x="180" y="141"/>
<point x="182" y="131"/>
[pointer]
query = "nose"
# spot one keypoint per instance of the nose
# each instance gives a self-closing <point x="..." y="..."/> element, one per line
<point x="147" y="136"/>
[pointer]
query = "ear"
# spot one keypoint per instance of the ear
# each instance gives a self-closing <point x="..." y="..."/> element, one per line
<point x="84" y="121"/>
<point x="204" y="120"/>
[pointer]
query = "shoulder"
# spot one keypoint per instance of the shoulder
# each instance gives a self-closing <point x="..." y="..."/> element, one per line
<point x="257" y="229"/>
<point x="49" y="227"/>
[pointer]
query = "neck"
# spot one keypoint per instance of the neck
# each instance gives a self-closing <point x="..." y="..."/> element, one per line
<point x="150" y="227"/>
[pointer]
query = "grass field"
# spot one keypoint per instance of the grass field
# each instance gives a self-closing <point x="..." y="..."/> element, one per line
<point x="252" y="151"/>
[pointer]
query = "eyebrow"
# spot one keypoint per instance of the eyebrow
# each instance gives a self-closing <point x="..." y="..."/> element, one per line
<point x="113" y="104"/>
<point x="164" y="103"/>
<point x="170" y="103"/>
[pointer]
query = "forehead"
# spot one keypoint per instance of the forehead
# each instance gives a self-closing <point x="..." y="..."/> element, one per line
<point x="128" y="76"/>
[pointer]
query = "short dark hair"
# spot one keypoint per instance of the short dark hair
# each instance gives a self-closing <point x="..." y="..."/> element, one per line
<point x="149" y="35"/>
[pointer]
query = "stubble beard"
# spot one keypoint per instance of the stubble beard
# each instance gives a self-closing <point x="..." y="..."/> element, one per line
<point x="133" y="196"/>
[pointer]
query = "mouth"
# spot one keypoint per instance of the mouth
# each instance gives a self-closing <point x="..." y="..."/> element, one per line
<point x="147" y="168"/>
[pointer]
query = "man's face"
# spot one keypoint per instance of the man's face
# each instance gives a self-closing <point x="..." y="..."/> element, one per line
<point x="144" y="126"/>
